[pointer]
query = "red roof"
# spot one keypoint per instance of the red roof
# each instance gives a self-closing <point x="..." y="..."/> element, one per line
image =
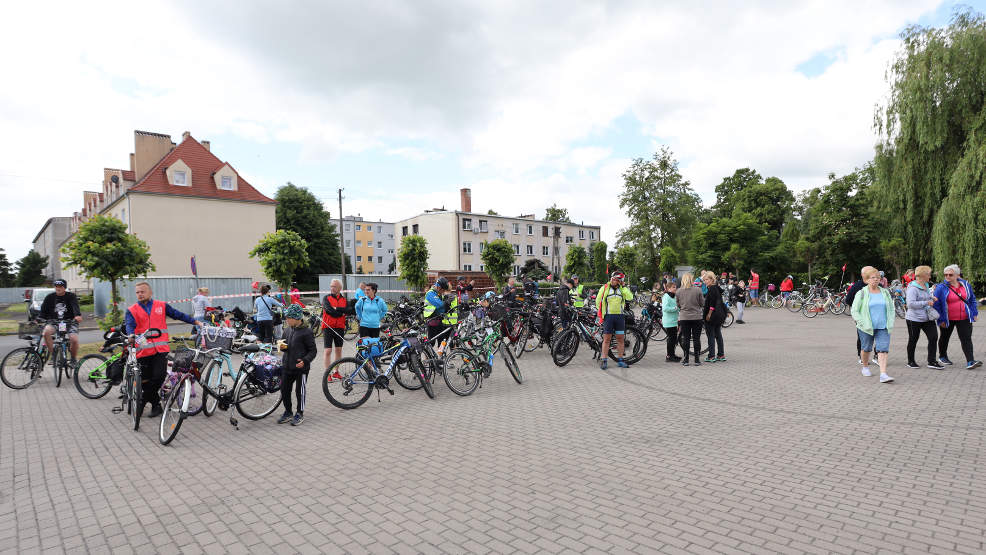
<point x="203" y="164"/>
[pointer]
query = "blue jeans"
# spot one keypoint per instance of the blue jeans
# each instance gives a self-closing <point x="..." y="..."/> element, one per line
<point x="880" y="340"/>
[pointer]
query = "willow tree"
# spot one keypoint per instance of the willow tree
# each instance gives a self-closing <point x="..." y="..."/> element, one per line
<point x="931" y="159"/>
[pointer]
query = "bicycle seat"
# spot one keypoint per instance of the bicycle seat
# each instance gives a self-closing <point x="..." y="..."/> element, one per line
<point x="251" y="348"/>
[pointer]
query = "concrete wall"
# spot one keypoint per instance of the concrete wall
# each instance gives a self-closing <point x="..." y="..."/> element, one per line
<point x="220" y="234"/>
<point x="174" y="288"/>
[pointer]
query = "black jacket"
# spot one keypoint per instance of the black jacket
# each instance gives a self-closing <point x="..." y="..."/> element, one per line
<point x="714" y="304"/>
<point x="301" y="346"/>
<point x="65" y="307"/>
<point x="563" y="297"/>
<point x="856" y="287"/>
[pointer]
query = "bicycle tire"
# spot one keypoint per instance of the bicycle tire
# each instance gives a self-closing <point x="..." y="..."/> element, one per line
<point x="246" y="390"/>
<point x="27" y="367"/>
<point x="681" y="343"/>
<point x="900" y="310"/>
<point x="518" y="346"/>
<point x="565" y="347"/>
<point x="168" y="428"/>
<point x="532" y="342"/>
<point x="405" y="376"/>
<point x="136" y="401"/>
<point x="60" y="364"/>
<point x="511" y="362"/>
<point x="657" y="332"/>
<point x="424" y="377"/>
<point x="346" y="388"/>
<point x="637" y="346"/>
<point x="461" y="374"/>
<point x="730" y="318"/>
<point x="215" y="379"/>
<point x="100" y="386"/>
<point x="794" y="303"/>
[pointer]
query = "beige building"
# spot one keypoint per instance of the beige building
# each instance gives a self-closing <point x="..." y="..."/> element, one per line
<point x="456" y="239"/>
<point x="47" y="243"/>
<point x="182" y="201"/>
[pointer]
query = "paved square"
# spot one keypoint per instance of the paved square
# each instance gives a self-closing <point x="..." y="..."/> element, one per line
<point x="785" y="448"/>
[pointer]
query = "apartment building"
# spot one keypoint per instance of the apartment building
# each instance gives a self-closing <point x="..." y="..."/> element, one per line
<point x="369" y="245"/>
<point x="48" y="241"/>
<point x="457" y="238"/>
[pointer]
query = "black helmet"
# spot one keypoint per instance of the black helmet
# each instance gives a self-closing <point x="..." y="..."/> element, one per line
<point x="441" y="283"/>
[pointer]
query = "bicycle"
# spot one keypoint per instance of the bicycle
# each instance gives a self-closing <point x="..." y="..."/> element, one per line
<point x="24" y="365"/>
<point x="465" y="368"/>
<point x="565" y="347"/>
<point x="360" y="375"/>
<point x="132" y="398"/>
<point x="94" y="374"/>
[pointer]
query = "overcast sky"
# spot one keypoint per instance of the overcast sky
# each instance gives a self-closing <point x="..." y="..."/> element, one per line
<point x="403" y="103"/>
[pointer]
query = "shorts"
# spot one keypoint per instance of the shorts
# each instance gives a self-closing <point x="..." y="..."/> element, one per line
<point x="879" y="341"/>
<point x="785" y="294"/>
<point x="614" y="324"/>
<point x="369" y="332"/>
<point x="72" y="328"/>
<point x="330" y="339"/>
<point x="754" y="293"/>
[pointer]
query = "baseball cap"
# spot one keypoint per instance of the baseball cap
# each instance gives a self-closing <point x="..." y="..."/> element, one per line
<point x="60" y="283"/>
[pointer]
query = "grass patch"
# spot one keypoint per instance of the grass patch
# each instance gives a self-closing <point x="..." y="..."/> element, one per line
<point x="87" y="308"/>
<point x="19" y="308"/>
<point x="8" y="327"/>
<point x="91" y="349"/>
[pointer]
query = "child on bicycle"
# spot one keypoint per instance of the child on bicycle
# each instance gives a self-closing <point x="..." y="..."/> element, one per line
<point x="299" y="352"/>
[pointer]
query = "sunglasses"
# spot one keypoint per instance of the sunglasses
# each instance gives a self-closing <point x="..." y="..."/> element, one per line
<point x="949" y="274"/>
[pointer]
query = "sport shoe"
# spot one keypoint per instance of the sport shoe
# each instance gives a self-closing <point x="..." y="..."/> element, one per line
<point x="336" y="375"/>
<point x="885" y="378"/>
<point x="935" y="366"/>
<point x="299" y="418"/>
<point x="740" y="322"/>
<point x="709" y="359"/>
<point x="866" y="372"/>
<point x="973" y="364"/>
<point x="286" y="417"/>
<point x="945" y="361"/>
<point x="603" y="364"/>
<point x="912" y="365"/>
<point x="697" y="363"/>
<point x="721" y="359"/>
<point x="622" y="363"/>
<point x="685" y="362"/>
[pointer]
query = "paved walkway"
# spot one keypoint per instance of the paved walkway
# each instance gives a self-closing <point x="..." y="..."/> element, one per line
<point x="785" y="448"/>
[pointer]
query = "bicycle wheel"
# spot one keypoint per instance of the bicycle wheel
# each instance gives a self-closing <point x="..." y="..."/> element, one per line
<point x="60" y="364"/>
<point x="355" y="386"/>
<point x="634" y="346"/>
<point x="776" y="301"/>
<point x="426" y="377"/>
<point x="900" y="309"/>
<point x="135" y="404"/>
<point x="730" y="318"/>
<point x="839" y="305"/>
<point x="518" y="346"/>
<point x="681" y="343"/>
<point x="511" y="362"/>
<point x="461" y="374"/>
<point x="657" y="332"/>
<point x="532" y="342"/>
<point x="174" y="412"/>
<point x="795" y="302"/>
<point x="406" y="377"/>
<point x="90" y="377"/>
<point x="565" y="347"/>
<point x="218" y="382"/>
<point x="21" y="367"/>
<point x="352" y="328"/>
<point x="252" y="400"/>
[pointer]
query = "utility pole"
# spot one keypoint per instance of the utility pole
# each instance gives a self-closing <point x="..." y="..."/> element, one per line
<point x="342" y="245"/>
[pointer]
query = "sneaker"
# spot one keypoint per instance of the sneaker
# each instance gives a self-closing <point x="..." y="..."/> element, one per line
<point x="156" y="410"/>
<point x="603" y="364"/>
<point x="697" y="363"/>
<point x="740" y="322"/>
<point x="866" y="372"/>
<point x="286" y="417"/>
<point x="672" y="359"/>
<point x="336" y="375"/>
<point x="860" y="361"/>
<point x="912" y="365"/>
<point x="685" y="362"/>
<point x="709" y="359"/>
<point x="935" y="366"/>
<point x="945" y="361"/>
<point x="299" y="418"/>
<point x="973" y="364"/>
<point x="885" y="378"/>
<point x="622" y="364"/>
<point x="721" y="359"/>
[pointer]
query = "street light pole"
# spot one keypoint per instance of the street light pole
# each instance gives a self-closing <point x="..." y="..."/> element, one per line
<point x="342" y="245"/>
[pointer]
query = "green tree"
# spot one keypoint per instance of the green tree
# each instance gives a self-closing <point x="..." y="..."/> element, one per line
<point x="300" y="211"/>
<point x="556" y="214"/>
<point x="413" y="262"/>
<point x="770" y="203"/>
<point x="808" y="252"/>
<point x="669" y="259"/>
<point x="499" y="259"/>
<point x="7" y="276"/>
<point x="841" y="223"/>
<point x="661" y="206"/>
<point x="626" y="260"/>
<point x="727" y="242"/>
<point x="103" y="249"/>
<point x="894" y="253"/>
<point x="30" y="269"/>
<point x="599" y="262"/>
<point x="729" y="189"/>
<point x="281" y="254"/>
<point x="492" y="212"/>
<point x="577" y="261"/>
<point x="930" y="166"/>
<point x="535" y="269"/>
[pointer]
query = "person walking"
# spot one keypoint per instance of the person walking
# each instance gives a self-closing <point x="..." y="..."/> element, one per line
<point x="370" y="310"/>
<point x="854" y="289"/>
<point x="919" y="300"/>
<point x="299" y="352"/>
<point x="957" y="309"/>
<point x="739" y="299"/>
<point x="266" y="318"/>
<point x="199" y="303"/>
<point x="610" y="301"/>
<point x="335" y="307"/>
<point x="669" y="319"/>
<point x="690" y="300"/>
<point x="873" y="311"/>
<point x="714" y="314"/>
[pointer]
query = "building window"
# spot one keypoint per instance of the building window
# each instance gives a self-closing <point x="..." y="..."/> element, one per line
<point x="581" y="234"/>
<point x="530" y="229"/>
<point x="482" y="247"/>
<point x="482" y="267"/>
<point x="390" y="236"/>
<point x="180" y="178"/>
<point x="348" y="243"/>
<point x="359" y="258"/>
<point x="379" y="260"/>
<point x="544" y="251"/>
<point x="414" y="229"/>
<point x="484" y="226"/>
<point x="390" y="251"/>
<point x="379" y="244"/>
<point x="379" y="229"/>
<point x="516" y="270"/>
<point x="530" y="249"/>
<point x="467" y="224"/>
<point x="369" y="244"/>
<point x="467" y="247"/>
<point x="569" y="239"/>
<point x="516" y="249"/>
<point x="226" y="183"/>
<point x="592" y="234"/>
<point x="403" y="230"/>
<point x="359" y="243"/>
<point x="467" y="267"/>
<point x="349" y="227"/>
<point x="516" y="228"/>
<point x="358" y="227"/>
<point x="544" y="231"/>
<point x="500" y="234"/>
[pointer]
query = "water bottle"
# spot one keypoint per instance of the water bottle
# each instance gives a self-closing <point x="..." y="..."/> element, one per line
<point x="441" y="348"/>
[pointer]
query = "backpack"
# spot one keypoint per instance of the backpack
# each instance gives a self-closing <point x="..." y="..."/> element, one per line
<point x="267" y="370"/>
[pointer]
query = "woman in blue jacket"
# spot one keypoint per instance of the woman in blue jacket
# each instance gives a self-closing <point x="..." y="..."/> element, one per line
<point x="370" y="310"/>
<point x="956" y="306"/>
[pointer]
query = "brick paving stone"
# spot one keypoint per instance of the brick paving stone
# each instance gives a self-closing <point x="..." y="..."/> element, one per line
<point x="785" y="448"/>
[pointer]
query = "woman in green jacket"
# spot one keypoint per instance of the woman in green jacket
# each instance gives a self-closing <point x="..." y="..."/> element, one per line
<point x="873" y="311"/>
<point x="669" y="319"/>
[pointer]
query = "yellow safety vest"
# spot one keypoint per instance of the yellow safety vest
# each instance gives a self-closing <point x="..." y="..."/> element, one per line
<point x="429" y="308"/>
<point x="576" y="294"/>
<point x="452" y="316"/>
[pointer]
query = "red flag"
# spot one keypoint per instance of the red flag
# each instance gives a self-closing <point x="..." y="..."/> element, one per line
<point x="844" y="266"/>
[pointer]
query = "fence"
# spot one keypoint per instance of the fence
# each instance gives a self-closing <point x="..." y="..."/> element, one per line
<point x="12" y="295"/>
<point x="175" y="288"/>
<point x="384" y="283"/>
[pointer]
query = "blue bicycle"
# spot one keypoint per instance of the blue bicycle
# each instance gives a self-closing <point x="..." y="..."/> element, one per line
<point x="348" y="382"/>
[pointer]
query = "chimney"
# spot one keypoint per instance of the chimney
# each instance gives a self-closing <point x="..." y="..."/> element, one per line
<point x="185" y="135"/>
<point x="131" y="161"/>
<point x="149" y="149"/>
<point x="207" y="145"/>
<point x="465" y="195"/>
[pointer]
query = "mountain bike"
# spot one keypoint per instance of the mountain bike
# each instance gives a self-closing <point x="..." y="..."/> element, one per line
<point x="359" y="376"/>
<point x="465" y="367"/>
<point x="24" y="365"/>
<point x="565" y="347"/>
<point x="132" y="398"/>
<point x="94" y="374"/>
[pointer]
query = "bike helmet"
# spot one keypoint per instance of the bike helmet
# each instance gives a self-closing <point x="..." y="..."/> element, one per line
<point x="575" y="277"/>
<point x="618" y="276"/>
<point x="441" y="283"/>
<point x="489" y="295"/>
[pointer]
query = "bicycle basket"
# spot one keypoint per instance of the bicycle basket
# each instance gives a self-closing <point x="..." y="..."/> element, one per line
<point x="184" y="361"/>
<point x="496" y="312"/>
<point x="771" y="288"/>
<point x="212" y="337"/>
<point x="370" y="346"/>
<point x="267" y="369"/>
<point x="28" y="330"/>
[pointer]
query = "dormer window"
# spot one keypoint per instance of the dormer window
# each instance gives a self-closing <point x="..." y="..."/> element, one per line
<point x="225" y="178"/>
<point x="180" y="178"/>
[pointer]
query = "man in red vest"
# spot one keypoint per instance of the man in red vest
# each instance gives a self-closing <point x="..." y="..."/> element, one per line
<point x="144" y="314"/>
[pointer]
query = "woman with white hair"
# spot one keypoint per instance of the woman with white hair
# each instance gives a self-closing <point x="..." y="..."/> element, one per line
<point x="956" y="306"/>
<point x="873" y="311"/>
<point x="919" y="300"/>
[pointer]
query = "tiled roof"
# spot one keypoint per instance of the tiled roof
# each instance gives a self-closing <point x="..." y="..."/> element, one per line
<point x="203" y="164"/>
<point x="129" y="175"/>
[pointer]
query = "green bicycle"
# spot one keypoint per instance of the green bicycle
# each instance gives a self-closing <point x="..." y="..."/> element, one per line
<point x="465" y="367"/>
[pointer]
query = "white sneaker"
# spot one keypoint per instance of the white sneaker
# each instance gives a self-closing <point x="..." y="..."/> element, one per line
<point x="861" y="361"/>
<point x="885" y="378"/>
<point x="866" y="372"/>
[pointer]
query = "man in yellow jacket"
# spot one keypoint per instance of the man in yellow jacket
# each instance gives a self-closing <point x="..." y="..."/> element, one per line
<point x="610" y="301"/>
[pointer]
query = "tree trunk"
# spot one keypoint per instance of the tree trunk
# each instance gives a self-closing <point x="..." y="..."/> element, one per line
<point x="114" y="309"/>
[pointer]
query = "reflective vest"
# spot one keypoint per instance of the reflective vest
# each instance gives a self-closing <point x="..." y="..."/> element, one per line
<point x="429" y="308"/>
<point x="576" y="294"/>
<point x="452" y="316"/>
<point x="145" y="321"/>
